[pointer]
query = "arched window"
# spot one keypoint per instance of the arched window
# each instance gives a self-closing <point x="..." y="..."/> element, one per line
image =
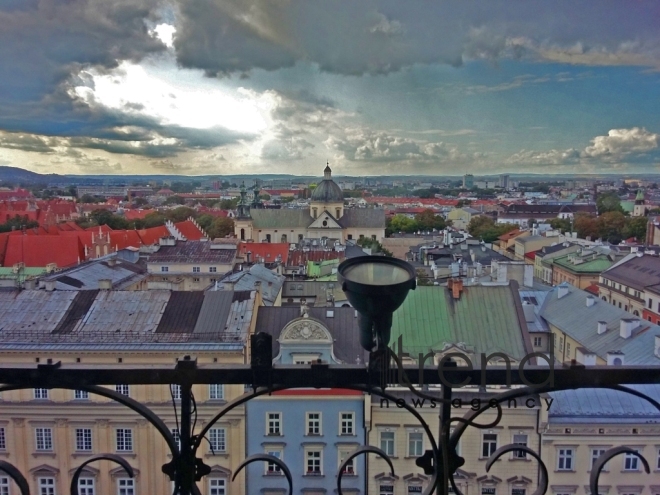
<point x="242" y="234"/>
<point x="636" y="313"/>
<point x="283" y="239"/>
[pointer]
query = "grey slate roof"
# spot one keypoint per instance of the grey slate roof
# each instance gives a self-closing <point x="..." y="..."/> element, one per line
<point x="249" y="279"/>
<point x="193" y="252"/>
<point x="536" y="298"/>
<point x="342" y="326"/>
<point x="363" y="217"/>
<point x="313" y="288"/>
<point x="593" y="405"/>
<point x="281" y="219"/>
<point x="639" y="272"/>
<point x="572" y="316"/>
<point x="79" y="318"/>
<point x="87" y="275"/>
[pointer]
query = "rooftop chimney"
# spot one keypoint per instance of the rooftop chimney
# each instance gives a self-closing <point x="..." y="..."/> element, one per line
<point x="627" y="326"/>
<point x="602" y="327"/>
<point x="456" y="287"/>
<point x="50" y="285"/>
<point x="590" y="301"/>
<point x="528" y="309"/>
<point x="562" y="290"/>
<point x="105" y="284"/>
<point x="583" y="356"/>
<point x="615" y="358"/>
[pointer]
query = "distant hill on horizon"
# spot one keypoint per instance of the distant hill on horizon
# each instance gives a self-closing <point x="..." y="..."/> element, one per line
<point x="16" y="175"/>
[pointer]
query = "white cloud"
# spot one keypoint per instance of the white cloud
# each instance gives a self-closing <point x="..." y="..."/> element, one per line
<point x="622" y="142"/>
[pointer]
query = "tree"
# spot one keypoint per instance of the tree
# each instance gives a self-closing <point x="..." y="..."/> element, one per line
<point x="18" y="223"/>
<point x="561" y="224"/>
<point x="140" y="201"/>
<point x="205" y="221"/>
<point x="401" y="223"/>
<point x="105" y="217"/>
<point x="181" y="213"/>
<point x="531" y="222"/>
<point x="586" y="226"/>
<point x="463" y="202"/>
<point x="635" y="227"/>
<point x="428" y="220"/>
<point x="221" y="227"/>
<point x="228" y="204"/>
<point x="422" y="278"/>
<point x="485" y="228"/>
<point x="174" y="200"/>
<point x="608" y="201"/>
<point x="610" y="226"/>
<point x="154" y="219"/>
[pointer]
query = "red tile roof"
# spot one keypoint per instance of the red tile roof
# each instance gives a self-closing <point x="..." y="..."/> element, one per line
<point x="136" y="214"/>
<point x="531" y="255"/>
<point x="102" y="228"/>
<point x="121" y="239"/>
<point x="16" y="193"/>
<point x="189" y="230"/>
<point x="39" y="251"/>
<point x="593" y="288"/>
<point x="151" y="236"/>
<point x="266" y="250"/>
<point x="298" y="257"/>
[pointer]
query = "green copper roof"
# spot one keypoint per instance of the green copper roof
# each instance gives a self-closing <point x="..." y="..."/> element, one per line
<point x="591" y="265"/>
<point x="484" y="318"/>
<point x="628" y="206"/>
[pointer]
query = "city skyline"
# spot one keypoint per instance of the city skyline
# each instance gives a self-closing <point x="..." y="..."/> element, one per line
<point x="376" y="88"/>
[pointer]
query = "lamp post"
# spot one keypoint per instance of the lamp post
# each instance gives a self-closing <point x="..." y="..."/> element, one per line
<point x="376" y="286"/>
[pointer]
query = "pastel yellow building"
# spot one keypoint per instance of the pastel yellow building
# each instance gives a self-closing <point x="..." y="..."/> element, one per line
<point x="47" y="434"/>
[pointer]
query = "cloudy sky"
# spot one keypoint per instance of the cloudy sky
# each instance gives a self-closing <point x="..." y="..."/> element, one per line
<point x="376" y="87"/>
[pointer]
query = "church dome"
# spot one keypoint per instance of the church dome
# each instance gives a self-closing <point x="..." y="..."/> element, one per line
<point x="328" y="191"/>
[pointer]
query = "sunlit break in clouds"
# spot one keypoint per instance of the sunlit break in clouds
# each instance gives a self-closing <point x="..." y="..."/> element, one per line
<point x="377" y="88"/>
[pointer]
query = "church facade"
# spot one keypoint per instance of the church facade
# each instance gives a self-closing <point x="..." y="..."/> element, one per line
<point x="326" y="217"/>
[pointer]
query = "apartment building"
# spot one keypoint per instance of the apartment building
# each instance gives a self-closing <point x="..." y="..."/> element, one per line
<point x="577" y="429"/>
<point x="583" y="268"/>
<point x="543" y="259"/>
<point x="634" y="286"/>
<point x="189" y="265"/>
<point x="48" y="433"/>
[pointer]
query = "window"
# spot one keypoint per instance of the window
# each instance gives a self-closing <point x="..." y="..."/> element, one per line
<point x="4" y="485"/>
<point x="164" y="268"/>
<point x="517" y="491"/>
<point x="213" y="269"/>
<point x="175" y="390"/>
<point x="195" y="279"/>
<point x="342" y="455"/>
<point x="568" y="349"/>
<point x="177" y="437"/>
<point x="538" y="341"/>
<point x="274" y="423"/>
<point x="3" y="441"/>
<point x="387" y="442"/>
<point x="217" y="486"/>
<point x="631" y="462"/>
<point x="386" y="490"/>
<point x="313" y="423"/>
<point x="124" y="437"/>
<point x="415" y="444"/>
<point x="123" y="389"/>
<point x="217" y="439"/>
<point x="125" y="486"/>
<point x="657" y="466"/>
<point x="86" y="486"/>
<point x="196" y="269"/>
<point x="272" y="468"/>
<point x="83" y="439"/>
<point x="46" y="486"/>
<point x="44" y="438"/>
<point x="216" y="391"/>
<point x="313" y="462"/>
<point x="489" y="444"/>
<point x="41" y="393"/>
<point x="565" y="460"/>
<point x="595" y="454"/>
<point x="80" y="394"/>
<point x="520" y="439"/>
<point x="347" y="423"/>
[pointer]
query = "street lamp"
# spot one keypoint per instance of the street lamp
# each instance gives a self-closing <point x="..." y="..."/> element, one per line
<point x="376" y="286"/>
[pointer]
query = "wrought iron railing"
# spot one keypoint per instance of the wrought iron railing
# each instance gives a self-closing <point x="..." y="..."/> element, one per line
<point x="440" y="462"/>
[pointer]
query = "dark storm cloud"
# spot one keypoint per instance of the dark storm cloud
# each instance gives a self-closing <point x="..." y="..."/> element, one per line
<point x="234" y="36"/>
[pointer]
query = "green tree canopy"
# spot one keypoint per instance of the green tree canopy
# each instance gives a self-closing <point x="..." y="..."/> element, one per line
<point x="608" y="201"/>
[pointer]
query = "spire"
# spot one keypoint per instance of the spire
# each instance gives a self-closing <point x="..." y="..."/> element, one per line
<point x="327" y="172"/>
